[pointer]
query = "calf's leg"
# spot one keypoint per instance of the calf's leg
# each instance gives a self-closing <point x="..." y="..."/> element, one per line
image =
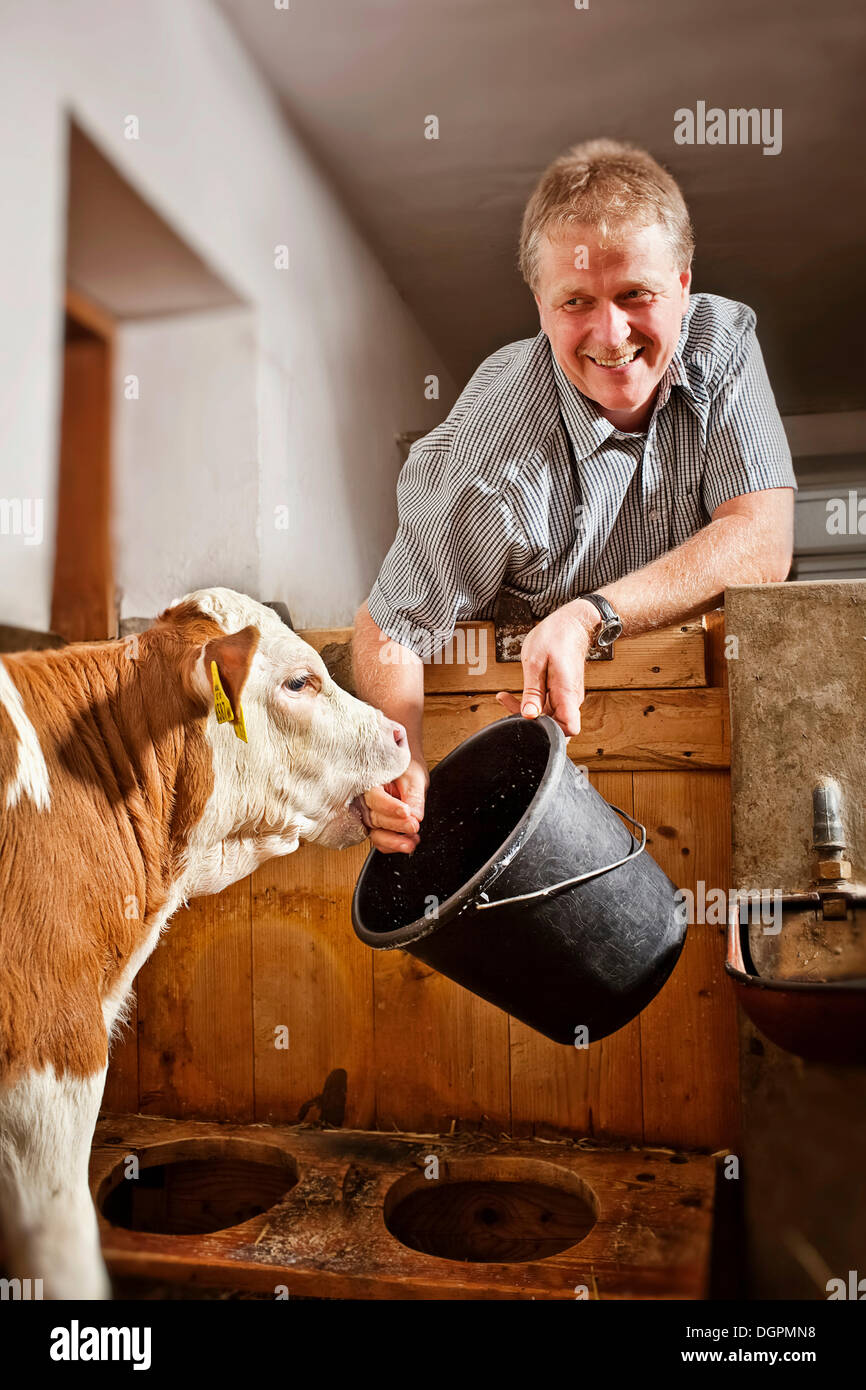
<point x="48" y="1217"/>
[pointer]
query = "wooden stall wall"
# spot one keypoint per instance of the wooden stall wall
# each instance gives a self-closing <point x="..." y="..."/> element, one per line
<point x="262" y="1005"/>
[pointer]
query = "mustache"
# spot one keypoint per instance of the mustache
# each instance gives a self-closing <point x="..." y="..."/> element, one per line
<point x="604" y="350"/>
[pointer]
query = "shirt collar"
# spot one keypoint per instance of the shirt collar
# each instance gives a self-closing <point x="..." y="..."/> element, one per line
<point x="675" y="373"/>
<point x="587" y="429"/>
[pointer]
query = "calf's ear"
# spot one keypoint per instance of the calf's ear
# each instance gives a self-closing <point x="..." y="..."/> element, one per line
<point x="233" y="655"/>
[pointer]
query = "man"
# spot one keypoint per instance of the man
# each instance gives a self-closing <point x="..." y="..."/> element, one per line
<point x="632" y="451"/>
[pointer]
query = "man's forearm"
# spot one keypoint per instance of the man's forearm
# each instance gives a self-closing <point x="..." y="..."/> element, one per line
<point x="692" y="579"/>
<point x="390" y="677"/>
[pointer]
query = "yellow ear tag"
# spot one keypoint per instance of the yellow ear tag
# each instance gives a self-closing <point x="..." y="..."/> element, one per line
<point x="239" y="726"/>
<point x="223" y="706"/>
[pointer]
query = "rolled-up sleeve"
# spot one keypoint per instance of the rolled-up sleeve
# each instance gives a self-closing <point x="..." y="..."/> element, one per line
<point x="450" y="553"/>
<point x="746" y="448"/>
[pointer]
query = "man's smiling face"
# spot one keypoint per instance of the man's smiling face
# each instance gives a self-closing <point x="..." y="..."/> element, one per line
<point x="614" y="326"/>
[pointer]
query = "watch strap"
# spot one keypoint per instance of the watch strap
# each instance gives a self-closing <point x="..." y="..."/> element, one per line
<point x="608" y="614"/>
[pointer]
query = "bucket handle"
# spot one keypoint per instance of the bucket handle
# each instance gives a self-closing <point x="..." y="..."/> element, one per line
<point x="581" y="878"/>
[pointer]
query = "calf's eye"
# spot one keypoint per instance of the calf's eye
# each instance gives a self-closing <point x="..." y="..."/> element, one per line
<point x="297" y="682"/>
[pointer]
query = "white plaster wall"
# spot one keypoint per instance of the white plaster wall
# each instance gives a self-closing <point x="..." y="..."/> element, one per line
<point x="339" y="361"/>
<point x="186" y="474"/>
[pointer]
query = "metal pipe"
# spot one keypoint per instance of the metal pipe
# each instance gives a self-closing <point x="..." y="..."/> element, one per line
<point x="828" y="832"/>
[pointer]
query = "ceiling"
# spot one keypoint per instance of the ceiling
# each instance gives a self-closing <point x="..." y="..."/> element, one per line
<point x="514" y="82"/>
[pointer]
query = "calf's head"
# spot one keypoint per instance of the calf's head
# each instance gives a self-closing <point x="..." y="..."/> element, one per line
<point x="311" y="749"/>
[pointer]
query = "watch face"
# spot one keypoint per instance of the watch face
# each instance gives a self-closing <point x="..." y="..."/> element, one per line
<point x="610" y="630"/>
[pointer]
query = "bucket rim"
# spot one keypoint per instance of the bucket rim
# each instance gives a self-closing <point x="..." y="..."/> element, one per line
<point x="463" y="897"/>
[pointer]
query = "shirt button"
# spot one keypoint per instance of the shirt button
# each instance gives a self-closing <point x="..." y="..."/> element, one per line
<point x="653" y="516"/>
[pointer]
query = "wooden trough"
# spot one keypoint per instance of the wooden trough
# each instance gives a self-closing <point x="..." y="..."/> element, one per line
<point x="349" y="1214"/>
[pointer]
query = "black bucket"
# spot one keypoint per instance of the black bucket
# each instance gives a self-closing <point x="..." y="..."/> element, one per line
<point x="591" y="928"/>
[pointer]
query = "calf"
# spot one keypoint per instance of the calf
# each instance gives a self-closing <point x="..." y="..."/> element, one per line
<point x="135" y="775"/>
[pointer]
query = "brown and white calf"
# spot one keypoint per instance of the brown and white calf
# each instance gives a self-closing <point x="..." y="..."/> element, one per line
<point x="122" y="796"/>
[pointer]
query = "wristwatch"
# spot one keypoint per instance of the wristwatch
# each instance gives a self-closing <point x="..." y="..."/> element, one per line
<point x="611" y="624"/>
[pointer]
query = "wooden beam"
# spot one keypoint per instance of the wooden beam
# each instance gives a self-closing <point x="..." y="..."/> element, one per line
<point x="620" y="729"/>
<point x="86" y="312"/>
<point x="669" y="657"/>
<point x="83" y="605"/>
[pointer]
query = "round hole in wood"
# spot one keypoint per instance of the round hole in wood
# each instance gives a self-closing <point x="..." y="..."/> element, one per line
<point x="192" y="1186"/>
<point x="489" y="1210"/>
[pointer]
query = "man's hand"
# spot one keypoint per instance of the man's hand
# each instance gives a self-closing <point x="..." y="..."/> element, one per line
<point x="397" y="809"/>
<point x="553" y="657"/>
<point x="390" y="677"/>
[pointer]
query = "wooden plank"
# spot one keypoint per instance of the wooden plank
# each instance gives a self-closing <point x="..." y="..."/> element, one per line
<point x="670" y="657"/>
<point x="195" y="1012"/>
<point x="314" y="978"/>
<point x="441" y="1053"/>
<point x="689" y="1032"/>
<point x="714" y="638"/>
<point x="320" y="637"/>
<point x="329" y="1235"/>
<point x="620" y="729"/>
<point x="592" y="1091"/>
<point x="121" y="1083"/>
